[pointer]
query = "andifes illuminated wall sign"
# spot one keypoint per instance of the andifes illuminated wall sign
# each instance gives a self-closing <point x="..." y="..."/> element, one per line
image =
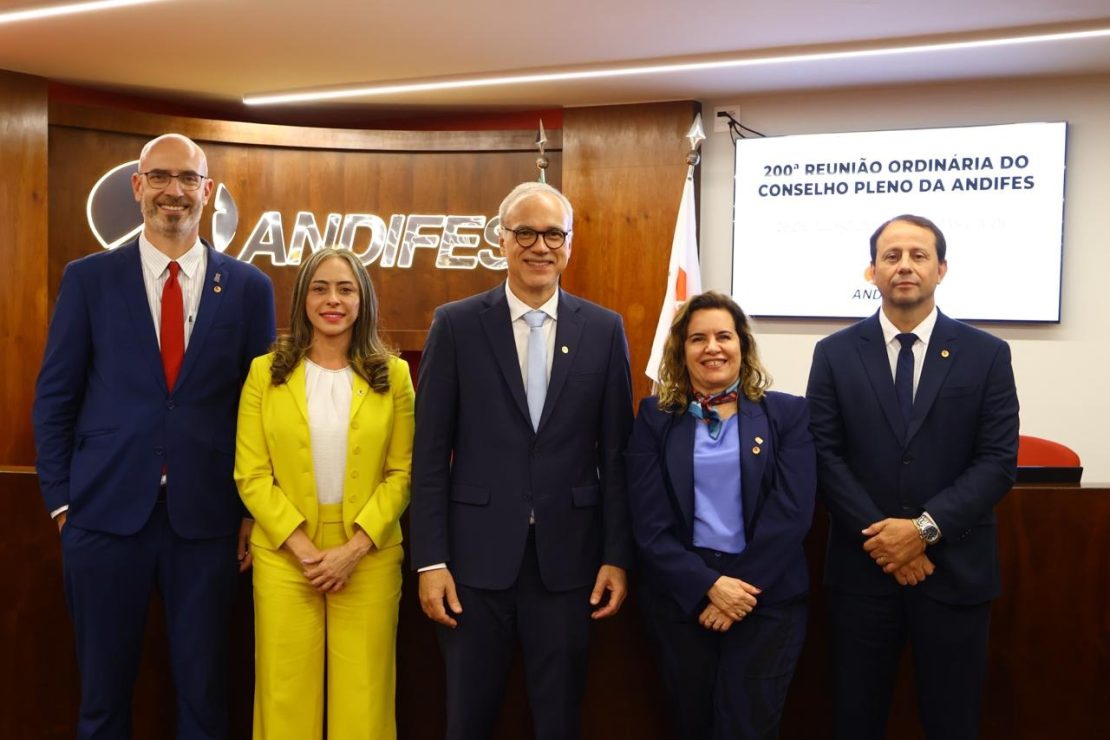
<point x="114" y="219"/>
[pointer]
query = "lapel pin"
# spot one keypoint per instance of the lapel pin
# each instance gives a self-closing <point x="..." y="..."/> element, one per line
<point x="564" y="349"/>
<point x="362" y="391"/>
<point x="216" y="278"/>
<point x="756" y="450"/>
<point x="216" y="289"/>
<point x="944" y="353"/>
<point x="759" y="440"/>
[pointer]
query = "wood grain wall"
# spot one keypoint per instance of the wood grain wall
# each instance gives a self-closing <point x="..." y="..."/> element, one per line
<point x="24" y="304"/>
<point x="322" y="171"/>
<point x="1047" y="673"/>
<point x="624" y="168"/>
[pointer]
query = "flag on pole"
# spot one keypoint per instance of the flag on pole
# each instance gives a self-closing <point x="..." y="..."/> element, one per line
<point x="683" y="274"/>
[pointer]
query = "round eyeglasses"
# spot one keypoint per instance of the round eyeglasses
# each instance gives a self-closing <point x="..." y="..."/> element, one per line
<point x="527" y="237"/>
<point x="158" y="179"/>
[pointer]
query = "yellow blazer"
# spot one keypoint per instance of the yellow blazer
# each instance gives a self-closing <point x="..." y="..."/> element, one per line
<point x="273" y="456"/>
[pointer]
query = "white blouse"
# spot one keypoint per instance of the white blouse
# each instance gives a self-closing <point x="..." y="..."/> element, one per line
<point x="329" y="410"/>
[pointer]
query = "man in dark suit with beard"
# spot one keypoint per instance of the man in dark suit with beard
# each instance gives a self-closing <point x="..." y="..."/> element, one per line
<point x="134" y="418"/>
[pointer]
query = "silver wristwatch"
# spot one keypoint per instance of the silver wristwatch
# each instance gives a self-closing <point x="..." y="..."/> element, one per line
<point x="926" y="530"/>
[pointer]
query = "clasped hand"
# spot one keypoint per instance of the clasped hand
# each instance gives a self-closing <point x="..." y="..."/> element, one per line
<point x="897" y="548"/>
<point x="329" y="570"/>
<point x="734" y="598"/>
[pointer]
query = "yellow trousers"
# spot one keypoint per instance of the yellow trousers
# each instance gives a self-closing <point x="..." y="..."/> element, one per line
<point x="299" y="633"/>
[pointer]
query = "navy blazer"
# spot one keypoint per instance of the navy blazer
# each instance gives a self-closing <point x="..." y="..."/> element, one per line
<point x="104" y="421"/>
<point x="778" y="486"/>
<point x="479" y="468"/>
<point x="956" y="458"/>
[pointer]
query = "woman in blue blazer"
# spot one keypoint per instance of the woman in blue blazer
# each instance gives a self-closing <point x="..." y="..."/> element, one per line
<point x="721" y="481"/>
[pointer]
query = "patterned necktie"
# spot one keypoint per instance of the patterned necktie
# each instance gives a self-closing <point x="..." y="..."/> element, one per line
<point x="903" y="375"/>
<point x="537" y="365"/>
<point x="173" y="326"/>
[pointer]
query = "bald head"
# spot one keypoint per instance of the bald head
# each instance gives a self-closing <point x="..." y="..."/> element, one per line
<point x="172" y="206"/>
<point x="174" y="145"/>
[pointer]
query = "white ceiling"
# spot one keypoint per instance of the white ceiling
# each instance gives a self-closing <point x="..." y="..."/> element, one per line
<point x="218" y="50"/>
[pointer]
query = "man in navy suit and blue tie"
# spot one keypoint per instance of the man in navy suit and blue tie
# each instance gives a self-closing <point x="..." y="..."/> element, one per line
<point x="519" y="518"/>
<point x="915" y="417"/>
<point x="134" y="420"/>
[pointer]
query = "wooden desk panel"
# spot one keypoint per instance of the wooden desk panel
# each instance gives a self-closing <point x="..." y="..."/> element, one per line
<point x="1049" y="673"/>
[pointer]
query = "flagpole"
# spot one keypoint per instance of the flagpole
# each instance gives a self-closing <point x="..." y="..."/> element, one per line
<point x="542" y="161"/>
<point x="683" y="270"/>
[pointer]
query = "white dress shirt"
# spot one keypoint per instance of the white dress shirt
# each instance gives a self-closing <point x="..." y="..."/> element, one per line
<point x="517" y="309"/>
<point x="924" y="332"/>
<point x="190" y="277"/>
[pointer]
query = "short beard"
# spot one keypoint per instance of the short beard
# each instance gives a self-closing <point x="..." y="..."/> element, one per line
<point x="169" y="227"/>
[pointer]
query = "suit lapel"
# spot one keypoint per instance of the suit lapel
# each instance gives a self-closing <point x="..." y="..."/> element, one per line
<point x="134" y="295"/>
<point x="216" y="282"/>
<point x="296" y="385"/>
<point x="568" y="330"/>
<point x="497" y="325"/>
<point x="680" y="468"/>
<point x="942" y="351"/>
<point x="755" y="450"/>
<point x="360" y="389"/>
<point x="876" y="363"/>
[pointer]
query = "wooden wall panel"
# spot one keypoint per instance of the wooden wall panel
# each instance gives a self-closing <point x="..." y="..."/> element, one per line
<point x="1047" y="675"/>
<point x="624" y="168"/>
<point x="322" y="171"/>
<point x="23" y="279"/>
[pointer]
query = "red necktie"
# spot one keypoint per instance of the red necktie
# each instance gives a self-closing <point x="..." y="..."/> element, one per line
<point x="173" y="326"/>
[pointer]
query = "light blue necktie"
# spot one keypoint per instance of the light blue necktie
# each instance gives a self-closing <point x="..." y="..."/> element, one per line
<point x="537" y="365"/>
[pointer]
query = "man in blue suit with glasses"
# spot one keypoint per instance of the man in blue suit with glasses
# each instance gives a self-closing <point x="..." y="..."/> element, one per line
<point x="134" y="419"/>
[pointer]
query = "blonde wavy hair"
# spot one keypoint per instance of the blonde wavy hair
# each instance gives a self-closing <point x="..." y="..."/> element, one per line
<point x="369" y="355"/>
<point x="674" y="390"/>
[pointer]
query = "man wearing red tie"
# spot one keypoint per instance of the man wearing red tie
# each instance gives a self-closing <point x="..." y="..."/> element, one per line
<point x="134" y="420"/>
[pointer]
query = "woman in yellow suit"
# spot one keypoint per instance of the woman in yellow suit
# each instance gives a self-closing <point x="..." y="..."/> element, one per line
<point x="323" y="462"/>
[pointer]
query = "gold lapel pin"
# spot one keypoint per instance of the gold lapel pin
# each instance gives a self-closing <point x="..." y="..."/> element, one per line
<point x="755" y="450"/>
<point x="217" y="289"/>
<point x="944" y="353"/>
<point x="564" y="349"/>
<point x="759" y="440"/>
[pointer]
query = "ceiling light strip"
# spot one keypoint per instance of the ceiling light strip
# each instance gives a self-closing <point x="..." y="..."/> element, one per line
<point x="50" y="11"/>
<point x="653" y="69"/>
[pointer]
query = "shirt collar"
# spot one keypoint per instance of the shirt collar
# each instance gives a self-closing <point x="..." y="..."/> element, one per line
<point x="924" y="330"/>
<point x="155" y="261"/>
<point x="518" y="308"/>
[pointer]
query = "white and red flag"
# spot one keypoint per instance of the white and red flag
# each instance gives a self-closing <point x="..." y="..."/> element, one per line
<point x="683" y="273"/>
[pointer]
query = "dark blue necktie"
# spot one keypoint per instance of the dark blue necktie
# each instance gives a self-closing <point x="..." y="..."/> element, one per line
<point x="903" y="375"/>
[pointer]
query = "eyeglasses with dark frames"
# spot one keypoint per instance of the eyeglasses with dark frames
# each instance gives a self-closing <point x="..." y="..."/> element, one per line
<point x="160" y="179"/>
<point x="527" y="237"/>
